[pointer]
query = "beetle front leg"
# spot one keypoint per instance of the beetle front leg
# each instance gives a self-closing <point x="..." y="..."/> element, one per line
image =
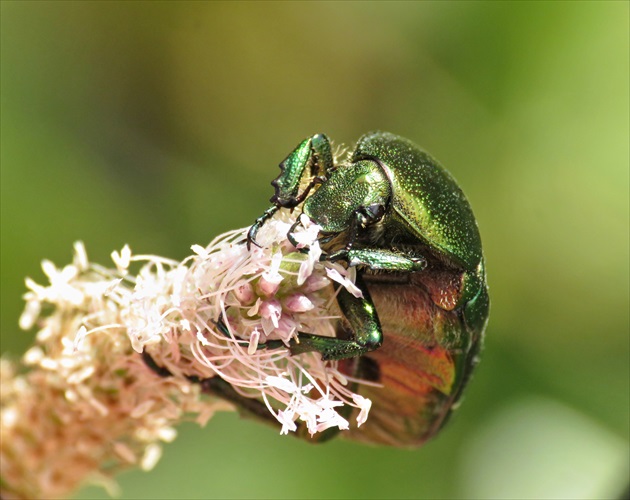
<point x="364" y="323"/>
<point x="380" y="259"/>
<point x="313" y="154"/>
<point x="258" y="223"/>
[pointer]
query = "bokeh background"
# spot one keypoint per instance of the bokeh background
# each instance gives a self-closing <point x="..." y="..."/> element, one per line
<point x="161" y="125"/>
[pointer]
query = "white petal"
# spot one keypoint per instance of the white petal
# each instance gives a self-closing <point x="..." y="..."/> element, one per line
<point x="253" y="311"/>
<point x="253" y="342"/>
<point x="315" y="282"/>
<point x="80" y="256"/>
<point x="282" y="383"/>
<point x="199" y="250"/>
<point x="167" y="434"/>
<point x="124" y="452"/>
<point x="142" y="409"/>
<point x="78" y="338"/>
<point x="30" y="314"/>
<point x="364" y="404"/>
<point x="334" y="275"/>
<point x="49" y="269"/>
<point x="271" y="309"/>
<point x="33" y="356"/>
<point x="151" y="457"/>
<point x="286" y="419"/>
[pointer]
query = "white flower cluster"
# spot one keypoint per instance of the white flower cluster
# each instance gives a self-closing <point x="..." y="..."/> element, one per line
<point x="93" y="400"/>
<point x="270" y="293"/>
<point x="87" y="405"/>
<point x="226" y="301"/>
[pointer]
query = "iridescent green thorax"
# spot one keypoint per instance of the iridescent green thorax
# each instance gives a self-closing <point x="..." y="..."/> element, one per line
<point x="362" y="184"/>
<point x="426" y="197"/>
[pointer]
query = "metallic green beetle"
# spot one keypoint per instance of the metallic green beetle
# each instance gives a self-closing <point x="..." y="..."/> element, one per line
<point x="401" y="218"/>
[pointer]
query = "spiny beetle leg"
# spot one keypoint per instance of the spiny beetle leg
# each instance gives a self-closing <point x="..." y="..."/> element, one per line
<point x="381" y="259"/>
<point x="270" y="344"/>
<point x="258" y="223"/>
<point x="364" y="323"/>
<point x="313" y="153"/>
<point x="322" y="155"/>
<point x="292" y="239"/>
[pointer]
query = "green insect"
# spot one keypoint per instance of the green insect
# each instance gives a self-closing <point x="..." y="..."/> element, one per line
<point x="398" y="216"/>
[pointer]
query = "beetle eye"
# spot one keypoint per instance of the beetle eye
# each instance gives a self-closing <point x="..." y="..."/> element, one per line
<point x="375" y="211"/>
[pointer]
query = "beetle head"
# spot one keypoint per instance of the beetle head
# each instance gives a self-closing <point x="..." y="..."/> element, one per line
<point x="354" y="194"/>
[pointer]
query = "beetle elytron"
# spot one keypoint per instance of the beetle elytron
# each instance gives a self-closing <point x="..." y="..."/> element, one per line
<point x="394" y="212"/>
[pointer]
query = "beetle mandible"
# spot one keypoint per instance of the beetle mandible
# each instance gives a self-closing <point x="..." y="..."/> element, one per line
<point x="400" y="217"/>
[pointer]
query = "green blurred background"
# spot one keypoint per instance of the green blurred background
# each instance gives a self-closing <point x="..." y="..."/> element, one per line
<point x="161" y="125"/>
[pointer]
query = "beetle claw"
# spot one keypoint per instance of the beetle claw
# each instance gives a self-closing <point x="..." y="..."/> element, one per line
<point x="251" y="237"/>
<point x="292" y="239"/>
<point x="250" y="241"/>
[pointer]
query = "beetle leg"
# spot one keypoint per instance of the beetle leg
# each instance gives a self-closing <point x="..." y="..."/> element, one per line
<point x="363" y="319"/>
<point x="314" y="154"/>
<point x="294" y="201"/>
<point x="476" y="309"/>
<point x="380" y="259"/>
<point x="270" y="344"/>
<point x="363" y="216"/>
<point x="258" y="223"/>
<point x="292" y="239"/>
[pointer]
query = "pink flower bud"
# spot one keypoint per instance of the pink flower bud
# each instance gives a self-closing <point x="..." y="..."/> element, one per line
<point x="315" y="282"/>
<point x="267" y="288"/>
<point x="245" y="294"/>
<point x="298" y="303"/>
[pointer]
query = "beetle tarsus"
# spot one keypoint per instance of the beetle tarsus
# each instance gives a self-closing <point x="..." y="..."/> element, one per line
<point x="258" y="223"/>
<point x="251" y="237"/>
